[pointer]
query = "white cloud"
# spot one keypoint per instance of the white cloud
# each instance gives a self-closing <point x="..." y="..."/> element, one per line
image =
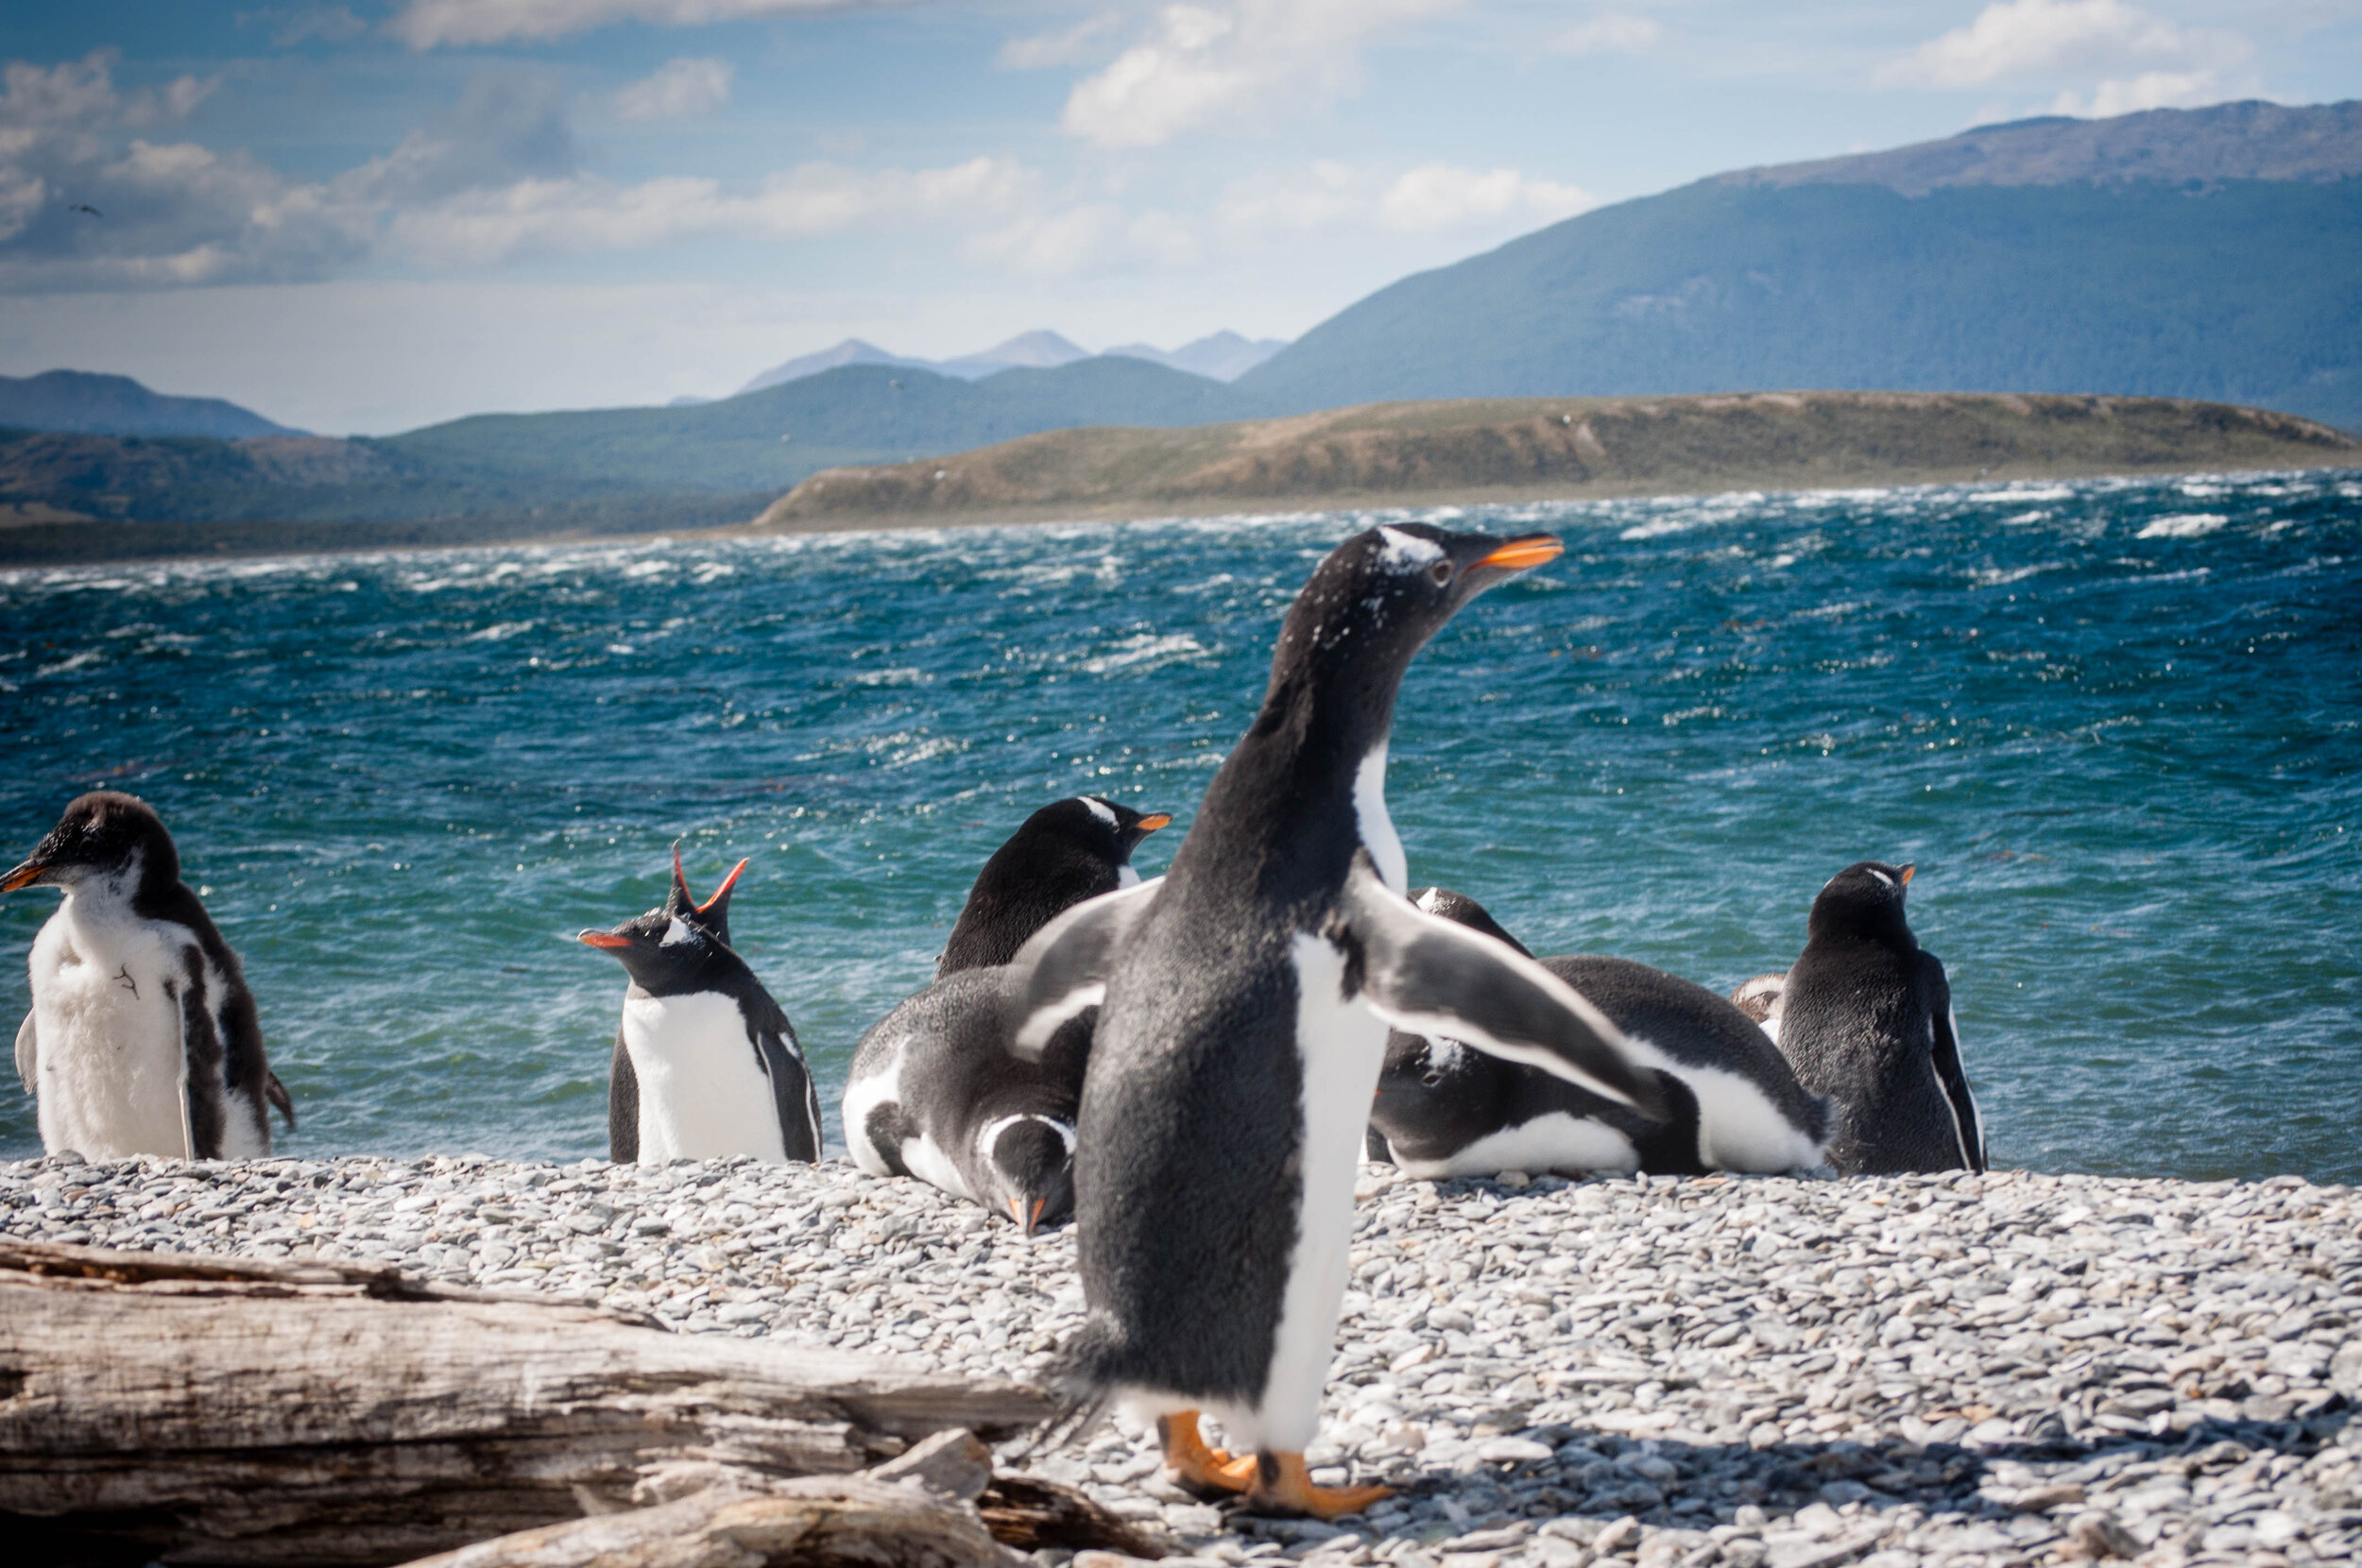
<point x="1438" y="199"/>
<point x="426" y="24"/>
<point x="2021" y="38"/>
<point x="2149" y="90"/>
<point x="1433" y="199"/>
<point x="293" y="24"/>
<point x="587" y="213"/>
<point x="1094" y="239"/>
<point x="1208" y="64"/>
<point x="1608" y="33"/>
<point x="678" y="90"/>
<point x="1067" y="46"/>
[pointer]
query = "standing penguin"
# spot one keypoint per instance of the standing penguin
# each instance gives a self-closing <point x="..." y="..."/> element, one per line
<point x="1244" y="999"/>
<point x="706" y="1065"/>
<point x="1866" y="1018"/>
<point x="143" y="1038"/>
<point x="1443" y="1110"/>
<point x="935" y="1091"/>
<point x="1067" y="851"/>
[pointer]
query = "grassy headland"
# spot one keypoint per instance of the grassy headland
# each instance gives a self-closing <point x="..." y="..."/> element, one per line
<point x="1531" y="448"/>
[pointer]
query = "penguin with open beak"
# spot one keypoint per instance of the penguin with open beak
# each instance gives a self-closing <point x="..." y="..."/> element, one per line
<point x="706" y="1064"/>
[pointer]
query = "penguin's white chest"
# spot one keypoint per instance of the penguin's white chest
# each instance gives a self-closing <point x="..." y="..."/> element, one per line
<point x="703" y="1095"/>
<point x="112" y="1075"/>
<point x="1342" y="1045"/>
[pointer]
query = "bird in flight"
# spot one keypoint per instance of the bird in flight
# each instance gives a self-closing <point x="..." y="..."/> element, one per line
<point x="86" y="206"/>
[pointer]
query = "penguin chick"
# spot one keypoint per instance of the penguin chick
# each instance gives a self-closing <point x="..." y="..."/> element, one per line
<point x="1759" y="999"/>
<point x="143" y="1038"/>
<point x="706" y="1065"/>
<point x="1443" y="1110"/>
<point x="1866" y="1019"/>
<point x="1244" y="1003"/>
<point x="934" y="1092"/>
<point x="1067" y="851"/>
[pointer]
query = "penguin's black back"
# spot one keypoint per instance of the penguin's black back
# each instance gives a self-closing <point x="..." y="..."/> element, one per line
<point x="1864" y="1015"/>
<point x="1067" y="851"/>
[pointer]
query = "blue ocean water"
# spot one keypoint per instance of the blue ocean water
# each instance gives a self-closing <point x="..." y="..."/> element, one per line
<point x="2117" y="724"/>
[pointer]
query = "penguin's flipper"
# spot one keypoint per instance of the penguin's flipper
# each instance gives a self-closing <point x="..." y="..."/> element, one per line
<point x="1426" y="975"/>
<point x="790" y="1096"/>
<point x="1063" y="967"/>
<point x="28" y="1053"/>
<point x="623" y="1107"/>
<point x="277" y="1094"/>
<point x="1936" y="994"/>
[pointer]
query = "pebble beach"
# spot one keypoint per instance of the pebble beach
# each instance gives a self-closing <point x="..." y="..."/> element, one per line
<point x="1963" y="1370"/>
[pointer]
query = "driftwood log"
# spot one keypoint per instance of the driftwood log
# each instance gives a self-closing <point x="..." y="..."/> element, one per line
<point x="156" y="1407"/>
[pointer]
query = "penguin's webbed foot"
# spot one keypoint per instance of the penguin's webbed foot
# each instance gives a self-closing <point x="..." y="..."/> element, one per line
<point x="1281" y="1484"/>
<point x="1196" y="1468"/>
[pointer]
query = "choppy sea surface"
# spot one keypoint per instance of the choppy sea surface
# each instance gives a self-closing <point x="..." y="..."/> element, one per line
<point x="2118" y="725"/>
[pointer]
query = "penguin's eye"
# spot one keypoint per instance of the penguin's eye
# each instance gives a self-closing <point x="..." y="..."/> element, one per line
<point x="1439" y="573"/>
<point x="1431" y="1078"/>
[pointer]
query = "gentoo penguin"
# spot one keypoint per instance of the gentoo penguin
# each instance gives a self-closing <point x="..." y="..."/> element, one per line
<point x="1443" y="1110"/>
<point x="143" y="1038"/>
<point x="935" y="1092"/>
<point x="1866" y="1018"/>
<point x="1067" y="851"/>
<point x="1759" y="999"/>
<point x="1244" y="999"/>
<point x="706" y="1065"/>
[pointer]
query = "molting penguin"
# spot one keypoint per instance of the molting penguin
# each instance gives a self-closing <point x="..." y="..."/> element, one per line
<point x="1443" y="1110"/>
<point x="143" y="1038"/>
<point x="1067" y="851"/>
<point x="1866" y="1018"/>
<point x="706" y="1065"/>
<point x="1244" y="999"/>
<point x="935" y="1091"/>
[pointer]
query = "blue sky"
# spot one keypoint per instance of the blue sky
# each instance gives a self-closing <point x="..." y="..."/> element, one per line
<point x="366" y="216"/>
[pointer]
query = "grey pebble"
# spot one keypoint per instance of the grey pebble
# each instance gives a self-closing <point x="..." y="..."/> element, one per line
<point x="1766" y="1373"/>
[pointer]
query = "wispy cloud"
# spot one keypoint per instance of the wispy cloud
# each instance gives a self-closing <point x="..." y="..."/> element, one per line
<point x="1609" y="33"/>
<point x="430" y="23"/>
<point x="1203" y="65"/>
<point x="1429" y="200"/>
<point x="678" y="91"/>
<point x="2016" y="39"/>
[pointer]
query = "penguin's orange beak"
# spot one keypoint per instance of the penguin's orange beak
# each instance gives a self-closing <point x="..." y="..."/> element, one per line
<point x="603" y="939"/>
<point x="727" y="882"/>
<point x="1530" y="551"/>
<point x="1906" y="875"/>
<point x="1155" y="820"/>
<point x="29" y="872"/>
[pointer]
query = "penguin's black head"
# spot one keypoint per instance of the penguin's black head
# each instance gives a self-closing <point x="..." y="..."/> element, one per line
<point x="103" y="835"/>
<point x="1029" y="1169"/>
<point x="1863" y="902"/>
<point x="1386" y="590"/>
<point x="679" y="947"/>
<point x="1100" y="827"/>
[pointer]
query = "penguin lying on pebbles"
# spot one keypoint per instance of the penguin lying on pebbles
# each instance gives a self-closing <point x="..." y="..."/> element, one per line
<point x="706" y="1065"/>
<point x="1244" y="999"/>
<point x="1866" y="1018"/>
<point x="934" y="1092"/>
<point x="1443" y="1110"/>
<point x="143" y="1038"/>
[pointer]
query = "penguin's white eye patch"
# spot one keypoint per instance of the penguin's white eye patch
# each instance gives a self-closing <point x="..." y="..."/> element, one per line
<point x="1884" y="880"/>
<point x="1100" y="810"/>
<point x="676" y="930"/>
<point x="1406" y="552"/>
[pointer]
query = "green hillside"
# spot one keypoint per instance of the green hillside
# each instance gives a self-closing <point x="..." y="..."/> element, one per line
<point x="2239" y="291"/>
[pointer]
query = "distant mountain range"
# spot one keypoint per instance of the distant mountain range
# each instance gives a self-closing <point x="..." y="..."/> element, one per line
<point x="2195" y="253"/>
<point x="2204" y="254"/>
<point x="84" y="402"/>
<point x="1223" y="356"/>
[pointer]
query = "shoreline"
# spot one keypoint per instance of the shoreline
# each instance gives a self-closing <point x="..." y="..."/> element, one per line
<point x="203" y="547"/>
<point x="1768" y="1373"/>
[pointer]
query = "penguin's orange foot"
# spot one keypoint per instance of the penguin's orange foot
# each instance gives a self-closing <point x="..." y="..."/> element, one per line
<point x="1282" y="1485"/>
<point x="1192" y="1466"/>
